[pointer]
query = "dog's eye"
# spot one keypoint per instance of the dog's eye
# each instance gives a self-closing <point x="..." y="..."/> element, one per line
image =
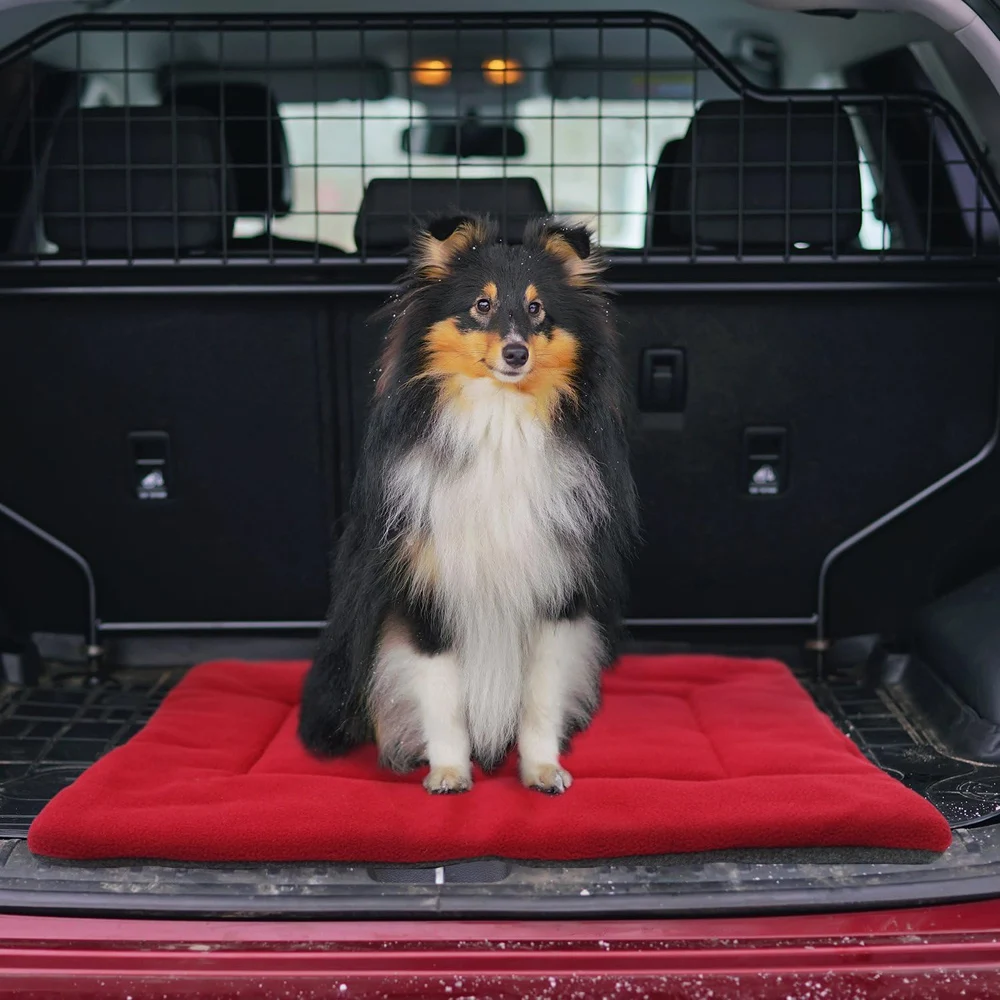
<point x="534" y="308"/>
<point x="483" y="306"/>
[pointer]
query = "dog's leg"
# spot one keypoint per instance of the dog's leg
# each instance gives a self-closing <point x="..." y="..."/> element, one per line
<point x="560" y="690"/>
<point x="419" y="711"/>
<point x="438" y="691"/>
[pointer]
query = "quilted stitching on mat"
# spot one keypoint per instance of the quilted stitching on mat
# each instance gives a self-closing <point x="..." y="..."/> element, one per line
<point x="688" y="753"/>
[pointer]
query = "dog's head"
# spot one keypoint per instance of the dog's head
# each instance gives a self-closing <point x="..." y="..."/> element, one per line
<point x="513" y="315"/>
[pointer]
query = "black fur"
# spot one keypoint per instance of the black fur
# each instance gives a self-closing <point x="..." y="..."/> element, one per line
<point x="365" y="583"/>
<point x="578" y="237"/>
<point x="442" y="226"/>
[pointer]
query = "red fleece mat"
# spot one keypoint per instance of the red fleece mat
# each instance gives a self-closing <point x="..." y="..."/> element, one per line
<point x="687" y="754"/>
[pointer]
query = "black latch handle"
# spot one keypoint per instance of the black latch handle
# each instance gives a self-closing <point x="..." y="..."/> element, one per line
<point x="662" y="380"/>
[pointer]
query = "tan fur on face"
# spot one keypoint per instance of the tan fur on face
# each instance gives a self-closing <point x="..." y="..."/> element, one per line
<point x="432" y="258"/>
<point x="579" y="272"/>
<point x="454" y="356"/>
<point x="553" y="370"/>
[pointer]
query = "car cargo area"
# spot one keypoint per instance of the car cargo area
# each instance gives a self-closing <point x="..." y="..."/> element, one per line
<point x="201" y="211"/>
<point x="78" y="722"/>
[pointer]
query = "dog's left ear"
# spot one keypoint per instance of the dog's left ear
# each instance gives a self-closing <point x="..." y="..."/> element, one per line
<point x="573" y="247"/>
<point x="437" y="245"/>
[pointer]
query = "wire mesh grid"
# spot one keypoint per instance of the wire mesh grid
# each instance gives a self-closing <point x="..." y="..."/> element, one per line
<point x="206" y="140"/>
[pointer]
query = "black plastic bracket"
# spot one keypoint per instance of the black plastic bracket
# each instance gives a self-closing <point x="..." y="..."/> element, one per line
<point x="663" y="380"/>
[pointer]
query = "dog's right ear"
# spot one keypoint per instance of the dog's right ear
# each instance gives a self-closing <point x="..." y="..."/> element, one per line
<point x="572" y="246"/>
<point x="441" y="241"/>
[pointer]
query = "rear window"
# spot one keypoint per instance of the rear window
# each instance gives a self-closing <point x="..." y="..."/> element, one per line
<point x="590" y="158"/>
<point x="638" y="129"/>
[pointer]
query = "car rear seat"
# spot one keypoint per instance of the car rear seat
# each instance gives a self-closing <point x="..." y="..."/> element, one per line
<point x="786" y="148"/>
<point x="131" y="182"/>
<point x="252" y="130"/>
<point x="391" y="206"/>
<point x="257" y="148"/>
<point x="658" y="213"/>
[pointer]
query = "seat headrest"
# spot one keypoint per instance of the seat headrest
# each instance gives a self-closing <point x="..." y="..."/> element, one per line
<point x="256" y="144"/>
<point x="806" y="149"/>
<point x="122" y="180"/>
<point x="392" y="206"/>
<point x="658" y="214"/>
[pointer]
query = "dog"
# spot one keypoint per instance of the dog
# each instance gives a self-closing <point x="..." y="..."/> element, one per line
<point x="479" y="579"/>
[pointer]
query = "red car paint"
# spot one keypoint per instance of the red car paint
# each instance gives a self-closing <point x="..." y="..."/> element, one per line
<point x="947" y="951"/>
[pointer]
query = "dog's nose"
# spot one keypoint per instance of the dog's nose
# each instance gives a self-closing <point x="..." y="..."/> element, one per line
<point x="515" y="355"/>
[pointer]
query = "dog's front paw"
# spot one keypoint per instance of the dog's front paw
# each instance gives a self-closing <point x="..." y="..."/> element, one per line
<point x="548" y="778"/>
<point x="448" y="780"/>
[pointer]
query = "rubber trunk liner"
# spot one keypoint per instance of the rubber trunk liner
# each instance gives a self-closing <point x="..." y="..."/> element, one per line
<point x="50" y="735"/>
<point x="890" y="733"/>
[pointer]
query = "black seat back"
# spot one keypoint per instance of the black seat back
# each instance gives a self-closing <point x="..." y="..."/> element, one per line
<point x="392" y="206"/>
<point x="124" y="182"/>
<point x="766" y="177"/>
<point x="256" y="144"/>
<point x="658" y="233"/>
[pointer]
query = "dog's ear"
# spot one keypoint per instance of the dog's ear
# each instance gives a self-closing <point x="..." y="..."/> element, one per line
<point x="440" y="241"/>
<point x="442" y="227"/>
<point x="573" y="246"/>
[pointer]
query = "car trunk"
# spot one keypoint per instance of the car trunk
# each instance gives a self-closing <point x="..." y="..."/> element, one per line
<point x="863" y="378"/>
<point x="66" y="724"/>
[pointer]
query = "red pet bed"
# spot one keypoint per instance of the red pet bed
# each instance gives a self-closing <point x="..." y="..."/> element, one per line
<point x="687" y="754"/>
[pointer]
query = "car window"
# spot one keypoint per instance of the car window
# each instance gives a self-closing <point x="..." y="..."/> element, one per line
<point x="589" y="157"/>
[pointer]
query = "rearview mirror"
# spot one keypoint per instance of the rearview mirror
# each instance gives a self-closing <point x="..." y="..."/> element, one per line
<point x="463" y="139"/>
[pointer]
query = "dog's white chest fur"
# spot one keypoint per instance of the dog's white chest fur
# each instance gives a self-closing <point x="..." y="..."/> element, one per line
<point x="506" y="509"/>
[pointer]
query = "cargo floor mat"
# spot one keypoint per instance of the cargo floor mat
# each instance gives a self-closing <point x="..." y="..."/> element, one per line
<point x="689" y="754"/>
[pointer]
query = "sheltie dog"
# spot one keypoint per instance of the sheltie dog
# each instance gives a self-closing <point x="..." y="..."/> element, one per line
<point x="478" y="583"/>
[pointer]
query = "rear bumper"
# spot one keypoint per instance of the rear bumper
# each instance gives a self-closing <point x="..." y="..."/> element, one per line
<point x="938" y="951"/>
